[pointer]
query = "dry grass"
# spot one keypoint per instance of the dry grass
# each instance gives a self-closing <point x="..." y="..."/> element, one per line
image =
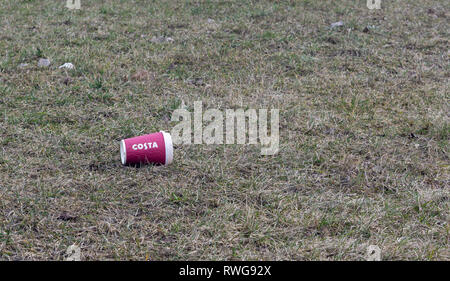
<point x="364" y="130"/>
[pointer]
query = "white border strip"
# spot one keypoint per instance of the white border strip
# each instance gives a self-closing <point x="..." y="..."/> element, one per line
<point x="169" y="147"/>
<point x="123" y="152"/>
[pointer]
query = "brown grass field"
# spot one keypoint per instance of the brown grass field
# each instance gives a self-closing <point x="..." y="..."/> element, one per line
<point x="364" y="130"/>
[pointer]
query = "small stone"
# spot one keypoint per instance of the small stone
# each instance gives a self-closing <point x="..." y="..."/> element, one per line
<point x="337" y="24"/>
<point x="43" y="62"/>
<point x="161" y="39"/>
<point x="23" y="65"/>
<point x="211" y="21"/>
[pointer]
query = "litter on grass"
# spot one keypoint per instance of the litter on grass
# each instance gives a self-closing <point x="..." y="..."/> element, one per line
<point x="67" y="65"/>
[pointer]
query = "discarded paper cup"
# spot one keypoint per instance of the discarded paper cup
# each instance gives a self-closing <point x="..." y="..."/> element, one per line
<point x="154" y="148"/>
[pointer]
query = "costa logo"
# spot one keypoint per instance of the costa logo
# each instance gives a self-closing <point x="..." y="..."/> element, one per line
<point x="144" y="146"/>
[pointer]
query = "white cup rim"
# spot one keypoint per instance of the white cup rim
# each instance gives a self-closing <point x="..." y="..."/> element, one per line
<point x="123" y="152"/>
<point x="169" y="147"/>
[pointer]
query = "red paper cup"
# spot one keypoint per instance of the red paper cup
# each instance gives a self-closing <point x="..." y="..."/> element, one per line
<point x="154" y="148"/>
